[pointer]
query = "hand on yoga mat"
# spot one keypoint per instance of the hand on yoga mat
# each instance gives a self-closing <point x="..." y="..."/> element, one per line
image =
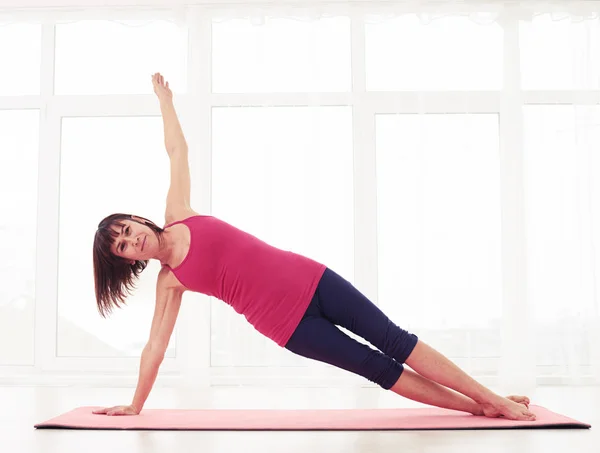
<point x="117" y="410"/>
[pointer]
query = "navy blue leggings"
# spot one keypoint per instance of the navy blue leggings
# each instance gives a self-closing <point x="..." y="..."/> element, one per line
<point x="337" y="302"/>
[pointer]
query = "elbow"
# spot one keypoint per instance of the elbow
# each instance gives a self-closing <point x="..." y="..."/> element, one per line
<point x="177" y="148"/>
<point x="155" y="352"/>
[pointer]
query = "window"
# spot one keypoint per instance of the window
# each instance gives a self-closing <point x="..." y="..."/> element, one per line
<point x="561" y="144"/>
<point x="20" y="75"/>
<point x="453" y="53"/>
<point x="108" y="165"/>
<point x="283" y="55"/>
<point x="286" y="176"/>
<point x="105" y="57"/>
<point x="438" y="186"/>
<point x="560" y="54"/>
<point x="19" y="142"/>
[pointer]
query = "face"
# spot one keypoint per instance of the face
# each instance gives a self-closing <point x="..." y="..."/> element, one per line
<point x="135" y="241"/>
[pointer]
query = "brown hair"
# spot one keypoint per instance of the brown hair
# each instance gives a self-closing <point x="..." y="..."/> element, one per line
<point x="115" y="276"/>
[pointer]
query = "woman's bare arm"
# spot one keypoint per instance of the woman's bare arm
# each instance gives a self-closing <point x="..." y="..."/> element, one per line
<point x="166" y="310"/>
<point x="178" y="197"/>
<point x="168" y="302"/>
<point x="174" y="138"/>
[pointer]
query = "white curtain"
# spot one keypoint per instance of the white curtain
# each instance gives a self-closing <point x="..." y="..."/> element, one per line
<point x="440" y="155"/>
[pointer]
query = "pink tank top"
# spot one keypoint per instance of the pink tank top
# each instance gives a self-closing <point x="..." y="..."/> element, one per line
<point x="271" y="287"/>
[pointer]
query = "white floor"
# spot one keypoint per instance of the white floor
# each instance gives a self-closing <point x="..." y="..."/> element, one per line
<point x="22" y="407"/>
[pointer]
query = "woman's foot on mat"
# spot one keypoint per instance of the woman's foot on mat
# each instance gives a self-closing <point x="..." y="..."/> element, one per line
<point x="511" y="408"/>
<point x="517" y="399"/>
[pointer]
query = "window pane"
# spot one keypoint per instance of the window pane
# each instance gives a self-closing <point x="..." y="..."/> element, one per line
<point x="21" y="59"/>
<point x="438" y="193"/>
<point x="105" y="57"/>
<point x="450" y="53"/>
<point x="559" y="54"/>
<point x="19" y="142"/>
<point x="282" y="55"/>
<point x="285" y="176"/>
<point x="561" y="144"/>
<point x="108" y="165"/>
<point x="561" y="168"/>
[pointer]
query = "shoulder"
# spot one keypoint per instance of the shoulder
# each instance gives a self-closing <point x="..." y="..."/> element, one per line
<point x="176" y="214"/>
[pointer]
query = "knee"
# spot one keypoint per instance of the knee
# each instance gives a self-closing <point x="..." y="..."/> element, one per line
<point x="382" y="370"/>
<point x="399" y="343"/>
<point x="390" y="378"/>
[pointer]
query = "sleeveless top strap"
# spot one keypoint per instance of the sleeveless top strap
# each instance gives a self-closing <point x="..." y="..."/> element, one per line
<point x="174" y="223"/>
<point x="164" y="228"/>
<point x="184" y="221"/>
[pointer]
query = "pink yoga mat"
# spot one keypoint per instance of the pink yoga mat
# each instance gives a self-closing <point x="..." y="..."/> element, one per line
<point x="313" y="420"/>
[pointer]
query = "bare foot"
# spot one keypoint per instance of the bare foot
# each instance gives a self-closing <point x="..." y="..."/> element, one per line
<point x="512" y="408"/>
<point x="517" y="399"/>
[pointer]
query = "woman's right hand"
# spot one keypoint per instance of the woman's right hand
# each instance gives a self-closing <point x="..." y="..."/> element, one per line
<point x="117" y="410"/>
<point x="161" y="88"/>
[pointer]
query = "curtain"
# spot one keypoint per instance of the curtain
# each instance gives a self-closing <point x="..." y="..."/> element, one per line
<point x="440" y="155"/>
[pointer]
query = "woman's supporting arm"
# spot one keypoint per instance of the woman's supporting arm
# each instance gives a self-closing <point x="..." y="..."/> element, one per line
<point x="168" y="302"/>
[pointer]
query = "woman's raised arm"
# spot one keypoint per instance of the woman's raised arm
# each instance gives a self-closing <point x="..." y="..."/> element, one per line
<point x="174" y="138"/>
<point x="178" y="197"/>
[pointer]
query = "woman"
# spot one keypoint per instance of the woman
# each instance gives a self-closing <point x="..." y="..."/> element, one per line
<point x="291" y="299"/>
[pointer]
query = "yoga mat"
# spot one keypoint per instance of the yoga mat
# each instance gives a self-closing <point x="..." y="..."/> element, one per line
<point x="310" y="420"/>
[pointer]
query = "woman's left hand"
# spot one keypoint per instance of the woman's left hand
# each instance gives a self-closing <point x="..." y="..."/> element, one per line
<point x="117" y="410"/>
<point x="161" y="88"/>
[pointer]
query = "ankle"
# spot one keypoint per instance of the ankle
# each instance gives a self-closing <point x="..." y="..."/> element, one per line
<point x="490" y="398"/>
